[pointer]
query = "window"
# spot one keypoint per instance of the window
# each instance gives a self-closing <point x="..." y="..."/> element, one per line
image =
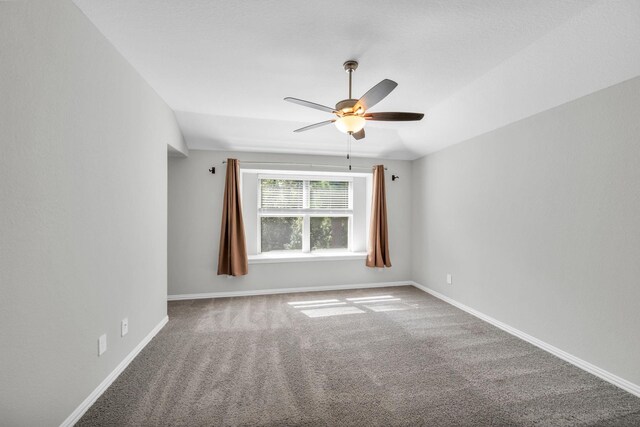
<point x="304" y="213"/>
<point x="305" y="216"/>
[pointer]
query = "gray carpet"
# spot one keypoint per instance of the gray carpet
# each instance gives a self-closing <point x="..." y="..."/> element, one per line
<point x="404" y="358"/>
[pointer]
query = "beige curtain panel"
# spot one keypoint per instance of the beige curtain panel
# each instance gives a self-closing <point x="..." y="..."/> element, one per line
<point x="232" y="259"/>
<point x="378" y="253"/>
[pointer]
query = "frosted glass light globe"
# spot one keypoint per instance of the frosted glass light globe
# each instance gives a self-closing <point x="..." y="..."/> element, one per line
<point x="350" y="124"/>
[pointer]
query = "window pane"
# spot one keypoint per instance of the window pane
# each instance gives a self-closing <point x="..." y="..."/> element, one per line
<point x="329" y="195"/>
<point x="329" y="232"/>
<point x="281" y="233"/>
<point x="281" y="194"/>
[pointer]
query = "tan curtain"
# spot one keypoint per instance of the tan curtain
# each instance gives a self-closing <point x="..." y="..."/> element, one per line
<point x="232" y="259"/>
<point x="378" y="253"/>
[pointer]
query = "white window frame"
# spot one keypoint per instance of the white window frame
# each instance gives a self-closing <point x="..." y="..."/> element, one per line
<point x="306" y="213"/>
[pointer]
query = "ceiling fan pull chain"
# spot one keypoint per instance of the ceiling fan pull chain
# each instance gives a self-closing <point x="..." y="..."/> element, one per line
<point x="349" y="149"/>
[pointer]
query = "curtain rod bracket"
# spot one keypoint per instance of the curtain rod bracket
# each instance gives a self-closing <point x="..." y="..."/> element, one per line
<point x="394" y="177"/>
<point x="213" y="170"/>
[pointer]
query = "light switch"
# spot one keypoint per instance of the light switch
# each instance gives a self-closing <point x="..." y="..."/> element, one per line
<point x="102" y="344"/>
<point x="124" y="327"/>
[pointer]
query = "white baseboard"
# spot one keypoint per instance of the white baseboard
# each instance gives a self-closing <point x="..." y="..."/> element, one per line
<point x="592" y="369"/>
<point x="95" y="394"/>
<point x="286" y="290"/>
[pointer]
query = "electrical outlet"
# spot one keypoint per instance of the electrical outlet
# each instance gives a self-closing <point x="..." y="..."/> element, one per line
<point x="449" y="279"/>
<point x="102" y="344"/>
<point x="124" y="327"/>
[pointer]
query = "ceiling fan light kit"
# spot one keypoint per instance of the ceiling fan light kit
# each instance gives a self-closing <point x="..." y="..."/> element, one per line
<point x="350" y="124"/>
<point x="351" y="114"/>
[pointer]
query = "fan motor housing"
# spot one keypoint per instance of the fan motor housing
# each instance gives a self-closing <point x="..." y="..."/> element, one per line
<point x="346" y="104"/>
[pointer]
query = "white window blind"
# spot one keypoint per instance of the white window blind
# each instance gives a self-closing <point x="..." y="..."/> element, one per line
<point x="281" y="194"/>
<point x="304" y="194"/>
<point x="328" y="195"/>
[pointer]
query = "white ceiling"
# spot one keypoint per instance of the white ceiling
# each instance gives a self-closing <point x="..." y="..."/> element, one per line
<point x="224" y="66"/>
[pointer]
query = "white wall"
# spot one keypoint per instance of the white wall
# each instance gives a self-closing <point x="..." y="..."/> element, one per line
<point x="539" y="223"/>
<point x="195" y="208"/>
<point x="83" y="172"/>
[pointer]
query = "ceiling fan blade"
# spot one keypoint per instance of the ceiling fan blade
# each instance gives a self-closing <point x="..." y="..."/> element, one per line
<point x="310" y="104"/>
<point x="375" y="94"/>
<point x="315" y="125"/>
<point x="394" y="117"/>
<point x="359" y="135"/>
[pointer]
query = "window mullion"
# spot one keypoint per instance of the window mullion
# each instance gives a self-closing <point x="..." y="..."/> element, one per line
<point x="306" y="222"/>
<point x="306" y="234"/>
<point x="305" y="194"/>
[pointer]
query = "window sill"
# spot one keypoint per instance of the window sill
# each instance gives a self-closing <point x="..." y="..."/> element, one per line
<point x="300" y="257"/>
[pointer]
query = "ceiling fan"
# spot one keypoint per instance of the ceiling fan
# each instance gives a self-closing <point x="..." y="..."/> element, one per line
<point x="352" y="114"/>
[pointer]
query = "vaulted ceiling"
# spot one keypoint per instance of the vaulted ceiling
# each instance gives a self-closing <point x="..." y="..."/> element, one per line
<point x="225" y="66"/>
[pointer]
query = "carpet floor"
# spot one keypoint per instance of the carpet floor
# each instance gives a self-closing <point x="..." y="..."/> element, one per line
<point x="371" y="357"/>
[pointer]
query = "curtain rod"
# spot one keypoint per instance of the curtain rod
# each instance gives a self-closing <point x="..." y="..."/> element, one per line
<point x="302" y="164"/>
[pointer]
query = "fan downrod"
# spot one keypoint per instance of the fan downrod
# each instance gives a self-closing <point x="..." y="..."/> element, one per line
<point x="350" y="66"/>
